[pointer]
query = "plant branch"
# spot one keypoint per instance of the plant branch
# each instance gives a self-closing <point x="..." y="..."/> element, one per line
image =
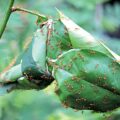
<point x="6" y="18"/>
<point x="14" y="9"/>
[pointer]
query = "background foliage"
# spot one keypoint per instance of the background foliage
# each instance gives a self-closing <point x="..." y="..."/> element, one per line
<point x="99" y="17"/>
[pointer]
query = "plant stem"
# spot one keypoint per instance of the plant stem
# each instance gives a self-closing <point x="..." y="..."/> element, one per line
<point x="6" y="18"/>
<point x="29" y="11"/>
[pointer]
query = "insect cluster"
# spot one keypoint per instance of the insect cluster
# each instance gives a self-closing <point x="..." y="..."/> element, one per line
<point x="87" y="72"/>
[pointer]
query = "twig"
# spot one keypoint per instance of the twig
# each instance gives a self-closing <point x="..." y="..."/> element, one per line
<point x="5" y="20"/>
<point x="14" y="9"/>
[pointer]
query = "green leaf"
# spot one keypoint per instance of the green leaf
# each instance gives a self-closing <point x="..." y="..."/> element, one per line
<point x="88" y="79"/>
<point x="32" y="71"/>
<point x="82" y="39"/>
<point x="59" y="41"/>
<point x="11" y="75"/>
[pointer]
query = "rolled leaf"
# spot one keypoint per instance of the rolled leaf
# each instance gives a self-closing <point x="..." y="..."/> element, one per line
<point x="82" y="39"/>
<point x="34" y="65"/>
<point x="32" y="72"/>
<point x="88" y="79"/>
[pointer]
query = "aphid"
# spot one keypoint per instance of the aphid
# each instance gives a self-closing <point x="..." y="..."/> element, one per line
<point x="52" y="48"/>
<point x="69" y="87"/>
<point x="105" y="99"/>
<point x="96" y="66"/>
<point x="81" y="56"/>
<point x="96" y="90"/>
<point x="91" y="104"/>
<point x="65" y="104"/>
<point x="92" y="52"/>
<point x="69" y="66"/>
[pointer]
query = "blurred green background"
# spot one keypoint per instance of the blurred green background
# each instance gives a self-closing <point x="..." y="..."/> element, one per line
<point x="99" y="17"/>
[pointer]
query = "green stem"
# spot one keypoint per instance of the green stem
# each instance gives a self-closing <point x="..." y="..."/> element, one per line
<point x="5" y="20"/>
<point x="29" y="11"/>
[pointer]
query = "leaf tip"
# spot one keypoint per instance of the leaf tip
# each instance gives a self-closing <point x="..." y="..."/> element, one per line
<point x="61" y="15"/>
